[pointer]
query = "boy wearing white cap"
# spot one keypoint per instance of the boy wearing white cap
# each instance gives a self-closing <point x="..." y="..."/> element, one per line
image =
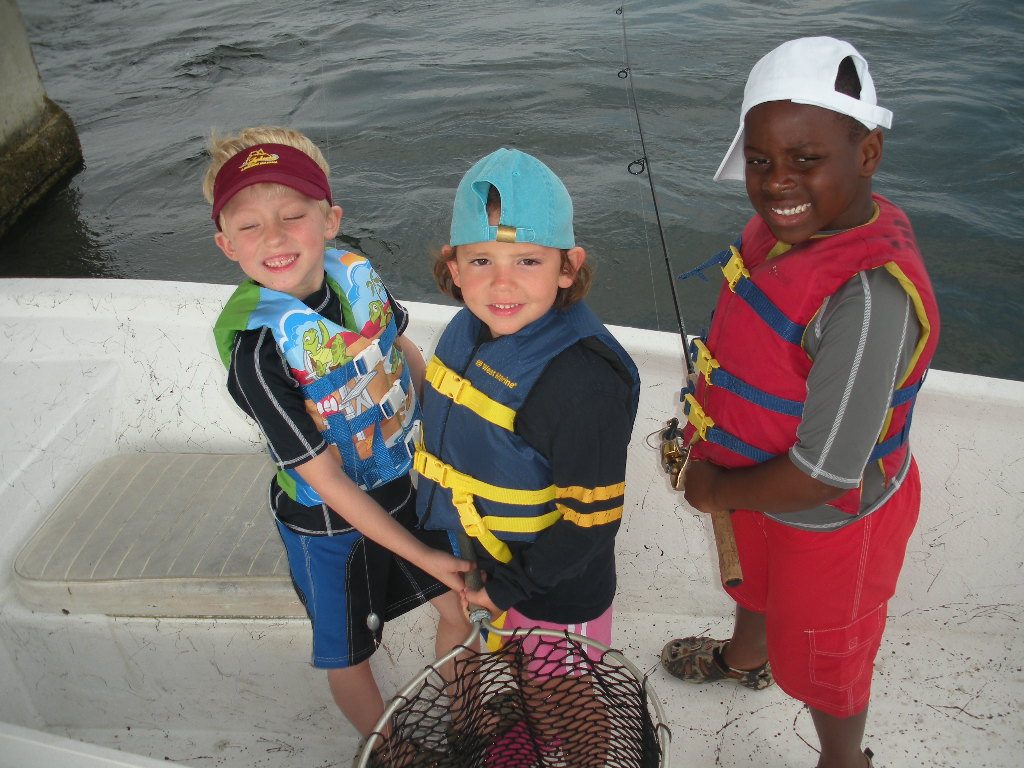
<point x="799" y="419"/>
<point x="528" y="405"/>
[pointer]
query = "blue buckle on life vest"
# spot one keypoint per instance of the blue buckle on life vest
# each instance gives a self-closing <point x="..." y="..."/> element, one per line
<point x="392" y="401"/>
<point x="368" y="359"/>
<point x="412" y="437"/>
<point x="688" y="389"/>
<point x="360" y="365"/>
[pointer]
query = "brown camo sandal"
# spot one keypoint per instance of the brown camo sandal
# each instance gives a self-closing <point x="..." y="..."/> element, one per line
<point x="699" y="660"/>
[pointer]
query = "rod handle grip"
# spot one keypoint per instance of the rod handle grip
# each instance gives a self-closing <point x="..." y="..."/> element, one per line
<point x="725" y="543"/>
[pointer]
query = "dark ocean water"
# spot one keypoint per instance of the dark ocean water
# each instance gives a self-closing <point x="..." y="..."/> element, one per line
<point x="404" y="95"/>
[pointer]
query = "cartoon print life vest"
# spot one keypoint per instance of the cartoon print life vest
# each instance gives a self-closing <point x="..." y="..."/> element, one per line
<point x="752" y="367"/>
<point x="476" y="473"/>
<point x="358" y="388"/>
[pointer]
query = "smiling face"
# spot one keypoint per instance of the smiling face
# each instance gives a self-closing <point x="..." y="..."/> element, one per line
<point x="805" y="173"/>
<point x="277" y="236"/>
<point x="509" y="285"/>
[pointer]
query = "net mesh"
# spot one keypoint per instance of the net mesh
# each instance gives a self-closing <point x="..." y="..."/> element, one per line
<point x="538" y="701"/>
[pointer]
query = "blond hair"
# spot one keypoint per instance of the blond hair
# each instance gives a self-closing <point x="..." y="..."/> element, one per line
<point x="222" y="147"/>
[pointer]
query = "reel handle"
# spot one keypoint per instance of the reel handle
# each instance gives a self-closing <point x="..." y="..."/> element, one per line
<point x="674" y="456"/>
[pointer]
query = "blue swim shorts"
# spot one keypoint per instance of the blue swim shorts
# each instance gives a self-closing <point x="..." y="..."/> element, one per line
<point x="345" y="581"/>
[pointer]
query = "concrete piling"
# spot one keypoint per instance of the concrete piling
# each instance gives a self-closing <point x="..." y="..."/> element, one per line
<point x="39" y="146"/>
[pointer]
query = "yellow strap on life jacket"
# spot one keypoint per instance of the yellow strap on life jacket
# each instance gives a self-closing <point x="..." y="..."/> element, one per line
<point x="475" y="526"/>
<point x="734" y="269"/>
<point x="700" y="420"/>
<point x="448" y="383"/>
<point x="494" y="640"/>
<point x="447" y="476"/>
<point x="705" y="363"/>
<point x="590" y="519"/>
<point x="464" y="490"/>
<point x="590" y="495"/>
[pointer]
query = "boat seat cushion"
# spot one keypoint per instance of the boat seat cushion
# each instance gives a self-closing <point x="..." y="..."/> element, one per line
<point x="162" y="534"/>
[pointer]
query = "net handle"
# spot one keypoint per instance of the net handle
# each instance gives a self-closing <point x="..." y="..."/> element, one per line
<point x="480" y="618"/>
<point x="478" y="615"/>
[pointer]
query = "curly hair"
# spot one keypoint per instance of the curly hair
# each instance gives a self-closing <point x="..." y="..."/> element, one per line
<point x="566" y="297"/>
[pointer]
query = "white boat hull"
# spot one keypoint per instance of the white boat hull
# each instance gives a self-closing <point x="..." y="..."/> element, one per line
<point x="100" y="368"/>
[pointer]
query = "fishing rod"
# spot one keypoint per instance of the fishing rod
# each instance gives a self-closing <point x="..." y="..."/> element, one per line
<point x="674" y="452"/>
<point x="637" y="167"/>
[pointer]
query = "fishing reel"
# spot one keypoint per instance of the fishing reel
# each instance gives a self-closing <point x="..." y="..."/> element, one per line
<point x="673" y="452"/>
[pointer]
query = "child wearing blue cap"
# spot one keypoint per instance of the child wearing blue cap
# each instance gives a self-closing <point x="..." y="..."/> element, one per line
<point x="821" y="337"/>
<point x="528" y="405"/>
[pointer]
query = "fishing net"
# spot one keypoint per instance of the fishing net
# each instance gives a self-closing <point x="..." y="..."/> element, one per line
<point x="538" y="701"/>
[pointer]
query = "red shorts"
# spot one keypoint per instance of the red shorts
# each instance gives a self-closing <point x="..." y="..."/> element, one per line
<point x="824" y="596"/>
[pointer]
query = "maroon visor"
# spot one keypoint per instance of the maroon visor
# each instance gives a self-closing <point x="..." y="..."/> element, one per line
<point x="269" y="164"/>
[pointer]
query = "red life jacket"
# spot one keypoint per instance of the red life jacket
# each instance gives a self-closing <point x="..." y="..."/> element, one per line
<point x="754" y="358"/>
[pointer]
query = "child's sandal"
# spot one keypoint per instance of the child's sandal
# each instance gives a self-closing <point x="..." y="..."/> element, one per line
<point x="699" y="660"/>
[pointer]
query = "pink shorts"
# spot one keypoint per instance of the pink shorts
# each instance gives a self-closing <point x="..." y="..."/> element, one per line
<point x="557" y="660"/>
<point x="824" y="596"/>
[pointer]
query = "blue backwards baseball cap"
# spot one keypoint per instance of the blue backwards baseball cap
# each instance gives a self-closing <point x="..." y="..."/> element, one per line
<point x="535" y="205"/>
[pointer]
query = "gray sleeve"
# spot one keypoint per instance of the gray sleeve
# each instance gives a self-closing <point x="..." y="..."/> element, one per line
<point x="861" y="342"/>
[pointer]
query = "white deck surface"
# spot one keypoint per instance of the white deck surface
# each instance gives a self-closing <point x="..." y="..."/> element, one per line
<point x="126" y="368"/>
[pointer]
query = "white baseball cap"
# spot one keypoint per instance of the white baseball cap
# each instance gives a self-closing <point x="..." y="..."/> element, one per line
<point x="804" y="71"/>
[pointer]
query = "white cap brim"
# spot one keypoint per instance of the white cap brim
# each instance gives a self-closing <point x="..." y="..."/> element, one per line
<point x="733" y="167"/>
<point x="803" y="71"/>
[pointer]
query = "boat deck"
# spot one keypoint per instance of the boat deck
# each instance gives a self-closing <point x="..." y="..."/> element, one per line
<point x="190" y="535"/>
<point x="949" y="699"/>
<point x="145" y="604"/>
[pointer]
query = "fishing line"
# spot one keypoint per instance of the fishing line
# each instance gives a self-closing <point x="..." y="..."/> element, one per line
<point x="637" y="168"/>
<point x="644" y="219"/>
<point x="321" y="98"/>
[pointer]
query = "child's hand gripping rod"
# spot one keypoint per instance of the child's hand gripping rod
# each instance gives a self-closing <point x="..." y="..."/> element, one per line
<point x="673" y="459"/>
<point x="478" y="615"/>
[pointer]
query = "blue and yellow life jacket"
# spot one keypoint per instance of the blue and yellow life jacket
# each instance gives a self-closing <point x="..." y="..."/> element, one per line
<point x="476" y="473"/>
<point x="357" y="385"/>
